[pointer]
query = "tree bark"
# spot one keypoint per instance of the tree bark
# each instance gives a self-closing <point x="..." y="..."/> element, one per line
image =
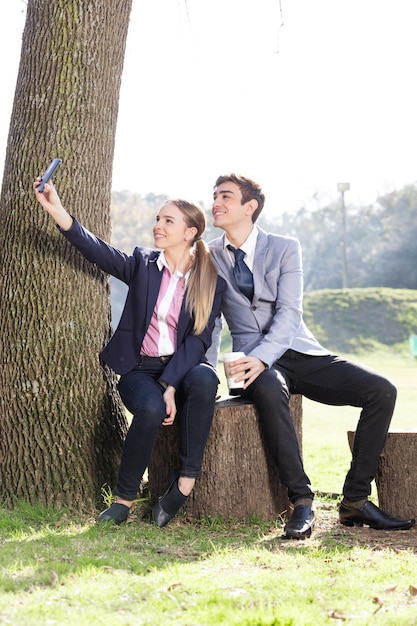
<point x="62" y="423"/>
<point x="395" y="478"/>
<point x="239" y="478"/>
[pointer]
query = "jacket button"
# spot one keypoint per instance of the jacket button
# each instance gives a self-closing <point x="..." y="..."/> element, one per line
<point x="265" y="331"/>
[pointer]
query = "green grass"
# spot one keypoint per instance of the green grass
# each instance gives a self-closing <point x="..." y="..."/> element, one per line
<point x="62" y="571"/>
<point x="362" y="320"/>
<point x="57" y="568"/>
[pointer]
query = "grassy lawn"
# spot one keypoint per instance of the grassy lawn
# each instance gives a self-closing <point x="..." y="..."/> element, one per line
<point x="59" y="568"/>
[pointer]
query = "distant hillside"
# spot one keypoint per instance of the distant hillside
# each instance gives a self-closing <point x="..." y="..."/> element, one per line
<point x="357" y="320"/>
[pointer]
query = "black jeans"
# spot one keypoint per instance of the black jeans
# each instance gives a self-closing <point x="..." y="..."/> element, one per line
<point x="142" y="396"/>
<point x="329" y="380"/>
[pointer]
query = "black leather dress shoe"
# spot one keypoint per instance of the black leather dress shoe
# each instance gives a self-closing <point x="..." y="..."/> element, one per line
<point x="301" y="522"/>
<point x="168" y="504"/>
<point x="372" y="516"/>
<point x="116" y="513"/>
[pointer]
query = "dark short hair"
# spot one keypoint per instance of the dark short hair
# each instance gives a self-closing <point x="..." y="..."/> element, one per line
<point x="248" y="188"/>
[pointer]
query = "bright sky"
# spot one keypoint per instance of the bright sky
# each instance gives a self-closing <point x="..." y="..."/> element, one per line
<point x="299" y="96"/>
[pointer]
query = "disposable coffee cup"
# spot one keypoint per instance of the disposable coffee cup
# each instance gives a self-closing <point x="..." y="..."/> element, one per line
<point x="234" y="387"/>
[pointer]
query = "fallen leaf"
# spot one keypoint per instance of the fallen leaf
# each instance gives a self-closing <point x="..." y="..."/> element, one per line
<point x="337" y="615"/>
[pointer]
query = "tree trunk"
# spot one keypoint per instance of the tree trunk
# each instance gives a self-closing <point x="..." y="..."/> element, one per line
<point x="239" y="478"/>
<point x="62" y="423"/>
<point x="395" y="478"/>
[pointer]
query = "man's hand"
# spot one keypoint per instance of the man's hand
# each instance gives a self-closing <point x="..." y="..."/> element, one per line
<point x="171" y="407"/>
<point x="247" y="369"/>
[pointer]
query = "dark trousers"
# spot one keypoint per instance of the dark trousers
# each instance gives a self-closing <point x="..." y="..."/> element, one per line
<point x="329" y="380"/>
<point x="143" y="397"/>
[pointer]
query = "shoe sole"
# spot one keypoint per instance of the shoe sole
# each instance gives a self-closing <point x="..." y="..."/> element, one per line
<point x="304" y="535"/>
<point x="360" y="524"/>
<point x="351" y="523"/>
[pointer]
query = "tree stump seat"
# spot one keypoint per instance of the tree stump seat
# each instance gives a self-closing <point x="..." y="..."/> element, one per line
<point x="239" y="478"/>
<point x="396" y="476"/>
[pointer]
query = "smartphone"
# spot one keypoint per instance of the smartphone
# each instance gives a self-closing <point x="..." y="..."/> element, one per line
<point x="49" y="171"/>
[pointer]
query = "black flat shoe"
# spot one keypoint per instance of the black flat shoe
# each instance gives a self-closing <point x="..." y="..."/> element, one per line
<point x="301" y="522"/>
<point x="116" y="513"/>
<point x="168" y="504"/>
<point x="372" y="516"/>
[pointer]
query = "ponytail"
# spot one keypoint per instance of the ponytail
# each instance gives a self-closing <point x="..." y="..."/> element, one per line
<point x="201" y="286"/>
<point x="202" y="282"/>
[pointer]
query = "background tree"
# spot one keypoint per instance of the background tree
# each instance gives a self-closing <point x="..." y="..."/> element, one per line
<point x="62" y="425"/>
<point x="381" y="242"/>
<point x="394" y="261"/>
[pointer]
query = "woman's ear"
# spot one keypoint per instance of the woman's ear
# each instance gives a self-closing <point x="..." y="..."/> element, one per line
<point x="190" y="233"/>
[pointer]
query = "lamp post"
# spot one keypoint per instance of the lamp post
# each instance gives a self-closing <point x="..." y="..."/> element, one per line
<point x="342" y="187"/>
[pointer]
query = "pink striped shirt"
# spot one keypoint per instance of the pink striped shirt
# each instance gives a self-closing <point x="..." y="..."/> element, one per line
<point x="161" y="336"/>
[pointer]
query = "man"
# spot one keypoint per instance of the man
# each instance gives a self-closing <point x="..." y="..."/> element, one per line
<point x="263" y="309"/>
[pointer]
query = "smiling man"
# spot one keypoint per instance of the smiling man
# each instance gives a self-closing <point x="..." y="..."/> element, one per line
<point x="263" y="308"/>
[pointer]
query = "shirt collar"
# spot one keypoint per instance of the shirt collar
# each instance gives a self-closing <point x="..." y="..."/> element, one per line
<point x="162" y="263"/>
<point x="248" y="246"/>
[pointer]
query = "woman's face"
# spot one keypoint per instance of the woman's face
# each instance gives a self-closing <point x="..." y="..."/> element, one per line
<point x="171" y="230"/>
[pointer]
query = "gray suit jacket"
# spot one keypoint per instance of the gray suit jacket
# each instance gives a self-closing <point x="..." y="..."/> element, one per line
<point x="273" y="322"/>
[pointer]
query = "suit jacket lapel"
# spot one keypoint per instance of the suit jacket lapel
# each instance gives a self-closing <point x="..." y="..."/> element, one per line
<point x="222" y="259"/>
<point x="155" y="278"/>
<point x="259" y="261"/>
<point x="226" y="267"/>
<point x="185" y="322"/>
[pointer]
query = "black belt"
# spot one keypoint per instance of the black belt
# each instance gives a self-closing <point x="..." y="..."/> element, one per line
<point x="143" y="359"/>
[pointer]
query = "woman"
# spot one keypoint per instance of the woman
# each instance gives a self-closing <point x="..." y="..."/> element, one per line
<point x="159" y="345"/>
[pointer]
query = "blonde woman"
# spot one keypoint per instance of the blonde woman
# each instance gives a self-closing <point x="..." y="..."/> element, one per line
<point x="159" y="345"/>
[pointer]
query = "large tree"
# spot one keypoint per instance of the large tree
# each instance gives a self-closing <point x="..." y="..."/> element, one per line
<point x="62" y="423"/>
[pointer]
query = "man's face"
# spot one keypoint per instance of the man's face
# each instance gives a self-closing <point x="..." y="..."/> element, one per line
<point x="227" y="209"/>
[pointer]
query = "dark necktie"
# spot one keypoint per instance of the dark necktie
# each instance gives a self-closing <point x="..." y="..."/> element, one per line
<point x="242" y="274"/>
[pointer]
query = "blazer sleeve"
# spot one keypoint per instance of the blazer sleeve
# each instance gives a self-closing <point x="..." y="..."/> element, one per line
<point x="192" y="349"/>
<point x="288" y="308"/>
<point x="105" y="256"/>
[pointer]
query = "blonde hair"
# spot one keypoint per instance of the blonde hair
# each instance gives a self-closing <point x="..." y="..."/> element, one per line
<point x="201" y="285"/>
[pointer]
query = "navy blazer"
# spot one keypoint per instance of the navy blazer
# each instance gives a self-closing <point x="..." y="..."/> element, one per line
<point x="140" y="272"/>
